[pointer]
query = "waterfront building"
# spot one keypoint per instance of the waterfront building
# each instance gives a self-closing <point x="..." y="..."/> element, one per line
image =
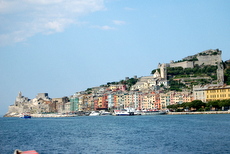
<point x="81" y="106"/>
<point x="188" y="97"/>
<point x="127" y="100"/>
<point x="60" y="104"/>
<point x="111" y="101"/>
<point x="99" y="101"/>
<point x="104" y="102"/>
<point x="200" y="92"/>
<point x="74" y="102"/>
<point x="218" y="93"/>
<point x="95" y="100"/>
<point x="164" y="100"/>
<point x="120" y="100"/>
<point x="67" y="107"/>
<point x="132" y="100"/>
<point x="88" y="102"/>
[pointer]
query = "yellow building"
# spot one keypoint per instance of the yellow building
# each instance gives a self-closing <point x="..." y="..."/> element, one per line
<point x="217" y="93"/>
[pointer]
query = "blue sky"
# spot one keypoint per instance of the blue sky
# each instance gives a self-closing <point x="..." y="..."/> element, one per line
<point x="61" y="47"/>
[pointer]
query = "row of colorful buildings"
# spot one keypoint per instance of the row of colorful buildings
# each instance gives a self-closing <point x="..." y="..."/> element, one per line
<point x="117" y="97"/>
<point x="139" y="100"/>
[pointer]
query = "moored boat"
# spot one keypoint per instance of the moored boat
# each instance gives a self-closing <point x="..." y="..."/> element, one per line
<point x="122" y="112"/>
<point x="25" y="115"/>
<point x="105" y="113"/>
<point x="155" y="112"/>
<point x="94" y="113"/>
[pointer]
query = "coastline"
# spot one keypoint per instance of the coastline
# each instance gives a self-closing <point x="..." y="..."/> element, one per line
<point x="168" y="113"/>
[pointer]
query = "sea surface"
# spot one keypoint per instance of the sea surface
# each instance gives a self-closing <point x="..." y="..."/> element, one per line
<point x="159" y="134"/>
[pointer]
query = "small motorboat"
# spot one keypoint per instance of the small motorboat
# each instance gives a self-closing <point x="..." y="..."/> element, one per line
<point x="25" y="152"/>
<point x="94" y="113"/>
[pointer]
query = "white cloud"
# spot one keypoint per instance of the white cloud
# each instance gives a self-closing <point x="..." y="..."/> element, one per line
<point x="107" y="28"/>
<point x="25" y="18"/>
<point x="103" y="27"/>
<point x="119" y="22"/>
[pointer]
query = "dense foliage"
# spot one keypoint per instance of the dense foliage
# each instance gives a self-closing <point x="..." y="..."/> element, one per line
<point x="198" y="105"/>
<point x="190" y="76"/>
<point x="129" y="82"/>
<point x="227" y="76"/>
<point x="176" y="85"/>
<point x="153" y="71"/>
<point x="196" y="71"/>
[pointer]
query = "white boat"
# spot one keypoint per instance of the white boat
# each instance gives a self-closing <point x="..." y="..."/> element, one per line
<point x="122" y="112"/>
<point x="94" y="113"/>
<point x="105" y="113"/>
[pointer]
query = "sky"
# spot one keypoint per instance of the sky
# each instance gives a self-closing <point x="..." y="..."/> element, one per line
<point x="61" y="47"/>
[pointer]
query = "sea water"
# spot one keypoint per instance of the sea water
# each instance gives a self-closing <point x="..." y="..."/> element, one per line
<point x="114" y="134"/>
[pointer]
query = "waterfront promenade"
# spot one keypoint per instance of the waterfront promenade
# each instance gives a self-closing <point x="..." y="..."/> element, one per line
<point x="205" y="112"/>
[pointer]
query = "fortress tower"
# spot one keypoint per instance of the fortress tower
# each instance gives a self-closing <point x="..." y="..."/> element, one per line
<point x="220" y="73"/>
<point x="163" y="70"/>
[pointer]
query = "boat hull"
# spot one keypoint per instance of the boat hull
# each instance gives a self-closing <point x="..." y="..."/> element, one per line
<point x="153" y="113"/>
<point x="25" y="117"/>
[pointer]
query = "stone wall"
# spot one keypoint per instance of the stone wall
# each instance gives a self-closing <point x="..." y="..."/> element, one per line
<point x="208" y="60"/>
<point x="184" y="64"/>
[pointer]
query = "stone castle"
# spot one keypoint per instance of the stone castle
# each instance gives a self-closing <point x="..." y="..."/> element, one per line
<point x="40" y="104"/>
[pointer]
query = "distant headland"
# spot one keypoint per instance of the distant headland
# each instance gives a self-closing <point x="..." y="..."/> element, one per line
<point x="175" y="86"/>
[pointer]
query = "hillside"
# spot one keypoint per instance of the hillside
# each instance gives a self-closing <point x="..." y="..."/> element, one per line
<point x="203" y="68"/>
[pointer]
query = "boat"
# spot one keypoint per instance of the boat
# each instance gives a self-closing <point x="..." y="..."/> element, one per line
<point x="153" y="112"/>
<point x="122" y="112"/>
<point x="25" y="152"/>
<point x="105" y="113"/>
<point x="94" y="113"/>
<point x="25" y="115"/>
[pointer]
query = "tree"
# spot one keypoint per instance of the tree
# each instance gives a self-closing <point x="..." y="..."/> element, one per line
<point x="197" y="104"/>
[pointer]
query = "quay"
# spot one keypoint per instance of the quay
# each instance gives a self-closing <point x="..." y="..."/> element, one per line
<point x="51" y="115"/>
<point x="205" y="112"/>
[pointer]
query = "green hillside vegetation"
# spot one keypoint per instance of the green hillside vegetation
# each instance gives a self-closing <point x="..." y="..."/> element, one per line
<point x="129" y="83"/>
<point x="188" y="73"/>
<point x="201" y="71"/>
<point x="227" y="73"/>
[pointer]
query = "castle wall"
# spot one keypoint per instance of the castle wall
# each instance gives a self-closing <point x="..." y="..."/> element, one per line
<point x="208" y="60"/>
<point x="184" y="64"/>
